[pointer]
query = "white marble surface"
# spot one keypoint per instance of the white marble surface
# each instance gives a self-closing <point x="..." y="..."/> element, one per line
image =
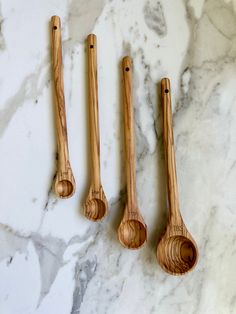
<point x="54" y="261"/>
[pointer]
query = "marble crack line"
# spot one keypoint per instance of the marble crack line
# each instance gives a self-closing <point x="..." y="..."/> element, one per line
<point x="151" y="101"/>
<point x="84" y="272"/>
<point x="85" y="268"/>
<point x="76" y="11"/>
<point x="183" y="100"/>
<point x="83" y="252"/>
<point x="220" y="31"/>
<point x="27" y="90"/>
<point x="50" y="203"/>
<point x="50" y="252"/>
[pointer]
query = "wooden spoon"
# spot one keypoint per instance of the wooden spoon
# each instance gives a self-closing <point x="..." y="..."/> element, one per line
<point x="132" y="232"/>
<point x="95" y="207"/>
<point x="64" y="182"/>
<point x="177" y="251"/>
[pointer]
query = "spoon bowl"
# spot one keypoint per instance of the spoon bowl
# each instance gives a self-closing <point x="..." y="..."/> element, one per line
<point x="132" y="234"/>
<point x="95" y="209"/>
<point x="64" y="188"/>
<point x="177" y="254"/>
<point x="96" y="205"/>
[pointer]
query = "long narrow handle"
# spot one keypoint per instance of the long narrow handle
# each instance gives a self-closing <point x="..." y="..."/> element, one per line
<point x="63" y="153"/>
<point x="93" y="109"/>
<point x="129" y="132"/>
<point x="168" y="138"/>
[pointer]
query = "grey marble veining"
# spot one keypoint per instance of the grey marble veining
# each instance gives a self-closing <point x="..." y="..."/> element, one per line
<point x="154" y="17"/>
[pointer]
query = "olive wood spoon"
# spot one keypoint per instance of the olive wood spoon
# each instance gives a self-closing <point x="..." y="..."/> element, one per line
<point x="64" y="182"/>
<point x="132" y="232"/>
<point x="95" y="207"/>
<point x="177" y="251"/>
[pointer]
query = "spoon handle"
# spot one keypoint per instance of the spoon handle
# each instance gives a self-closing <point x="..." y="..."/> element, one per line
<point x="93" y="109"/>
<point x="63" y="153"/>
<point x="168" y="138"/>
<point x="129" y="132"/>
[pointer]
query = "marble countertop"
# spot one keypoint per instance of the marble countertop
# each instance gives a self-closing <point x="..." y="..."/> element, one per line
<point x="53" y="260"/>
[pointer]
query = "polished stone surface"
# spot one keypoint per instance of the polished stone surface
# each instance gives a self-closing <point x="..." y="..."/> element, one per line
<point x="53" y="260"/>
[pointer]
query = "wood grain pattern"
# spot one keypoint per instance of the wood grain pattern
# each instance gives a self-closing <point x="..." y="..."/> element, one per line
<point x="96" y="205"/>
<point x="177" y="252"/>
<point x="132" y="232"/>
<point x="64" y="182"/>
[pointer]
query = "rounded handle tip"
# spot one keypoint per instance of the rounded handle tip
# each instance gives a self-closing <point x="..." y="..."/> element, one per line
<point x="127" y="63"/>
<point x="56" y="22"/>
<point x="92" y="40"/>
<point x="165" y="85"/>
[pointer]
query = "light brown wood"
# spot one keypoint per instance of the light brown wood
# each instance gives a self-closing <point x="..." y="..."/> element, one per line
<point x="64" y="182"/>
<point x="132" y="232"/>
<point x="177" y="251"/>
<point x="96" y="205"/>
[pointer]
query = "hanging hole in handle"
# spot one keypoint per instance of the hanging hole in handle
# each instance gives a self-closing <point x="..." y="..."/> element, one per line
<point x="54" y="27"/>
<point x="166" y="91"/>
<point x="127" y="69"/>
<point x="91" y="46"/>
